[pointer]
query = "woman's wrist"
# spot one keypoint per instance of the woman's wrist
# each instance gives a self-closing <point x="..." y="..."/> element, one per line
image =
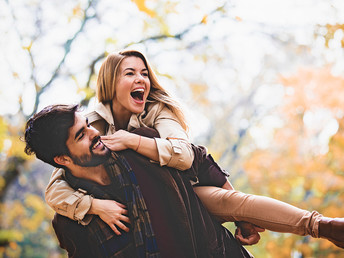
<point x="134" y="141"/>
<point x="94" y="209"/>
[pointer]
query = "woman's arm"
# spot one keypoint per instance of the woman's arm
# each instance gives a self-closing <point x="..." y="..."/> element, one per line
<point x="76" y="204"/>
<point x="65" y="200"/>
<point x="122" y="140"/>
<point x="171" y="149"/>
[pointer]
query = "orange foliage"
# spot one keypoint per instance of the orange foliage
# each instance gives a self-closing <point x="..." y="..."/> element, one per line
<point x="141" y="5"/>
<point x="297" y="167"/>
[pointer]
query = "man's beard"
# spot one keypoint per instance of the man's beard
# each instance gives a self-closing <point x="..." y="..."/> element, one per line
<point x="92" y="159"/>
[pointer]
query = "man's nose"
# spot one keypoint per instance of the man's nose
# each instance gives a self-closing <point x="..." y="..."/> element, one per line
<point x="93" y="132"/>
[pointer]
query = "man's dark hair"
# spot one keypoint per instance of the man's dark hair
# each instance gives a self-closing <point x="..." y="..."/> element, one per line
<point x="46" y="132"/>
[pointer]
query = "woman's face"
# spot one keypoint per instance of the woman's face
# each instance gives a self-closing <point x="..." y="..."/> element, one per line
<point x="132" y="86"/>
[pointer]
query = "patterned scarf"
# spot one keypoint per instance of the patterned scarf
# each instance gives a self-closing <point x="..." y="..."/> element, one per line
<point x="123" y="177"/>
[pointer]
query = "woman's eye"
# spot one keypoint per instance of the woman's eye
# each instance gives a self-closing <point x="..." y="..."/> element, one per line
<point x="145" y="74"/>
<point x="130" y="73"/>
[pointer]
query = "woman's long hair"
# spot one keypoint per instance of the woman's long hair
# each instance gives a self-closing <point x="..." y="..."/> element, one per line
<point x="106" y="83"/>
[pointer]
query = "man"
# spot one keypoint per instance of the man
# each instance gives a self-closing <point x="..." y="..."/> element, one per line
<point x="165" y="216"/>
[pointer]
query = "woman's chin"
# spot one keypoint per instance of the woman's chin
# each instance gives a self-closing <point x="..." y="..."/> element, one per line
<point x="138" y="110"/>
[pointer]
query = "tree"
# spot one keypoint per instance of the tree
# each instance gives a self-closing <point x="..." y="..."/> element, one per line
<point x="210" y="55"/>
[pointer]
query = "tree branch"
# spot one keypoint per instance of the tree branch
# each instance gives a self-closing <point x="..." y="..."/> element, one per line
<point x="67" y="47"/>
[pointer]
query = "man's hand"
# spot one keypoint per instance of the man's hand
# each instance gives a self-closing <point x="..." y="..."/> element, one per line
<point x="247" y="233"/>
<point x="112" y="213"/>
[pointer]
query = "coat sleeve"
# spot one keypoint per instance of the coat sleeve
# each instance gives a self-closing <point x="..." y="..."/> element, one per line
<point x="205" y="170"/>
<point x="67" y="201"/>
<point x="173" y="145"/>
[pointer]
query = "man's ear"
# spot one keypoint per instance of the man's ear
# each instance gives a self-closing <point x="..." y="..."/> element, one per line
<point x="62" y="160"/>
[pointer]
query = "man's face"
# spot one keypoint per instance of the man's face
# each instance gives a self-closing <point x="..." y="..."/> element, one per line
<point x="85" y="147"/>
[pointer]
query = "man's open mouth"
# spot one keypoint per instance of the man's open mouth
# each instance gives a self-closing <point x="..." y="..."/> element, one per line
<point x="138" y="94"/>
<point x="95" y="143"/>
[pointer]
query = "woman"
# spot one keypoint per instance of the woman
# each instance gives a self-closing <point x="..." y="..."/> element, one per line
<point x="131" y="97"/>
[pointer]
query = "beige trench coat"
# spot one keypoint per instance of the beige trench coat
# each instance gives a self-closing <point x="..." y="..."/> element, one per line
<point x="173" y="147"/>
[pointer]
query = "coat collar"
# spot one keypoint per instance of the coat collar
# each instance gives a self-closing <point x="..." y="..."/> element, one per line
<point x="146" y="118"/>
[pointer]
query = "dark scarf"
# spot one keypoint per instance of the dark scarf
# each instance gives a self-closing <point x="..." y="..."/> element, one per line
<point x="127" y="192"/>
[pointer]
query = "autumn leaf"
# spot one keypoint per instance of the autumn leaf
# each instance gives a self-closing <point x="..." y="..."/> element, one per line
<point x="141" y="5"/>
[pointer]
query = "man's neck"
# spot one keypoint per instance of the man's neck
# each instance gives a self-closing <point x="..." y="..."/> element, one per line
<point x="96" y="174"/>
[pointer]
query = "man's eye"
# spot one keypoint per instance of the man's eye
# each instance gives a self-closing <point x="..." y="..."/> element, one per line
<point x="81" y="136"/>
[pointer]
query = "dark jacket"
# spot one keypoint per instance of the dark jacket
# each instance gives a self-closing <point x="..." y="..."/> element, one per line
<point x="182" y="226"/>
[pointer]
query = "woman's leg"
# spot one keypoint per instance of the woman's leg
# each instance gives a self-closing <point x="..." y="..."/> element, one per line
<point x="271" y="214"/>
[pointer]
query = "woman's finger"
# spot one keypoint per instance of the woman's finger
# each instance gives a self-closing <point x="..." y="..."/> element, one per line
<point x="120" y="204"/>
<point x="122" y="226"/>
<point x="125" y="219"/>
<point x="114" y="229"/>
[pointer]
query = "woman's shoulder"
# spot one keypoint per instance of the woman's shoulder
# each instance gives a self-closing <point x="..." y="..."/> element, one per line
<point x="156" y="109"/>
<point x="100" y="112"/>
<point x="100" y="117"/>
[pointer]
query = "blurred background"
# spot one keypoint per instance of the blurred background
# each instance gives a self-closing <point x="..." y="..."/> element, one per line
<point x="261" y="82"/>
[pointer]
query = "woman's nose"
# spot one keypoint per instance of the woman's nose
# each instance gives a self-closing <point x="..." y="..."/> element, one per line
<point x="139" y="78"/>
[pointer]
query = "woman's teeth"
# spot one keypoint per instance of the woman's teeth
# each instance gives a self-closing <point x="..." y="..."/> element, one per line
<point x="138" y="94"/>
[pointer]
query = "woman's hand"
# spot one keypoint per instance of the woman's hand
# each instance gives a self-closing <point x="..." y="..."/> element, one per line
<point x="121" y="140"/>
<point x="247" y="233"/>
<point x="112" y="213"/>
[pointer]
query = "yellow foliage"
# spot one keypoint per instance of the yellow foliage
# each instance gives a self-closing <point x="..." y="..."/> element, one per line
<point x="330" y="31"/>
<point x="199" y="92"/>
<point x="11" y="235"/>
<point x="111" y="41"/>
<point x="14" y="211"/>
<point x="77" y="12"/>
<point x="13" y="252"/>
<point x="33" y="222"/>
<point x="141" y="5"/>
<point x="305" y="250"/>
<point x="17" y="147"/>
<point x="3" y="132"/>
<point x="28" y="48"/>
<point x="2" y="182"/>
<point x="204" y="19"/>
<point x="87" y="92"/>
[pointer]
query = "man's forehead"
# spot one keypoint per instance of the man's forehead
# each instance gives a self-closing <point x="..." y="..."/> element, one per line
<point x="79" y="121"/>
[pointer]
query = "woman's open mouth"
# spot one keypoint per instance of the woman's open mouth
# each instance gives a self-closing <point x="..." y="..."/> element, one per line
<point x="138" y="94"/>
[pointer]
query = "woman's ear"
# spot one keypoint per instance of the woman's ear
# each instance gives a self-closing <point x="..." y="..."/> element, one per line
<point x="63" y="160"/>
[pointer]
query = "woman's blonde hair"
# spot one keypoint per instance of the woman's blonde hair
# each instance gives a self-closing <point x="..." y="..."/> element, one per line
<point x="106" y="83"/>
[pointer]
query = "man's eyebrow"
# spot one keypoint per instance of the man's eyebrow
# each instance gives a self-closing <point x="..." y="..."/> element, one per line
<point x="81" y="130"/>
